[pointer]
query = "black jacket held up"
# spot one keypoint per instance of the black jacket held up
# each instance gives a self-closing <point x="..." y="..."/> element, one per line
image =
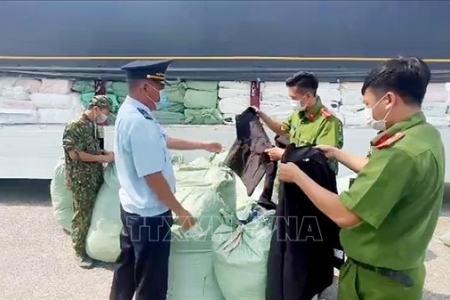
<point x="302" y="253"/>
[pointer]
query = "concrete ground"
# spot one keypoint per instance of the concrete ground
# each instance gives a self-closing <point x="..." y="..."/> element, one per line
<point x="36" y="259"/>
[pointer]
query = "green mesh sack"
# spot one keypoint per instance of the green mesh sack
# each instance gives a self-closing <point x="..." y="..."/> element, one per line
<point x="241" y="253"/>
<point x="102" y="242"/>
<point x="207" y="116"/>
<point x="195" y="99"/>
<point x="61" y="197"/>
<point x="175" y="91"/>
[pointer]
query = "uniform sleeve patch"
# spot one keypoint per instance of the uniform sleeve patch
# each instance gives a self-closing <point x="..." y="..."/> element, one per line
<point x="386" y="141"/>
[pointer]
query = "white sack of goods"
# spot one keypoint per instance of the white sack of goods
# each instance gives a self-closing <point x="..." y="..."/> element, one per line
<point x="41" y="100"/>
<point x="56" y="86"/>
<point x="437" y="109"/>
<point x="30" y="84"/>
<point x="16" y="105"/>
<point x="233" y="93"/>
<point x="233" y="106"/>
<point x="275" y="100"/>
<point x="435" y="104"/>
<point x="15" y="92"/>
<point x="277" y="108"/>
<point x="277" y="90"/>
<point x="351" y="93"/>
<point x="436" y="92"/>
<point x="15" y="117"/>
<point x="328" y="92"/>
<point x="17" y="112"/>
<point x="439" y="121"/>
<point x="7" y="82"/>
<point x="354" y="121"/>
<point x="57" y="115"/>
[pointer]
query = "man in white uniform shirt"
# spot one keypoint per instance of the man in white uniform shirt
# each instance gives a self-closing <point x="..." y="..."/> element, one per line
<point x="147" y="182"/>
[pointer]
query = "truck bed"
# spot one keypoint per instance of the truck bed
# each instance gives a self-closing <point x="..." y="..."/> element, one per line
<point x="36" y="149"/>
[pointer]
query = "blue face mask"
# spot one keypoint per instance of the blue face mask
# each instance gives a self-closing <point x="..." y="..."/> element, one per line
<point x="163" y="101"/>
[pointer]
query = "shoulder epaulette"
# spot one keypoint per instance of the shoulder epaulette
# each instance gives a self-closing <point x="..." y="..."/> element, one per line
<point x="145" y="113"/>
<point x="386" y="141"/>
<point x="325" y="113"/>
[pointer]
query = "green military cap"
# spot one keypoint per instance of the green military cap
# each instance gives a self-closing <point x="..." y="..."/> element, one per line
<point x="101" y="101"/>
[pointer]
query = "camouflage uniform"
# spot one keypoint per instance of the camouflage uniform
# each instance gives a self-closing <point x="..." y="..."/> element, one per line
<point x="84" y="179"/>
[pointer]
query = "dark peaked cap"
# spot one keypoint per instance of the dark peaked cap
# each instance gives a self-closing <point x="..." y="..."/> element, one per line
<point x="147" y="69"/>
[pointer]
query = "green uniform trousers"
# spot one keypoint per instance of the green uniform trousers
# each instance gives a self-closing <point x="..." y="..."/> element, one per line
<point x="83" y="205"/>
<point x="358" y="283"/>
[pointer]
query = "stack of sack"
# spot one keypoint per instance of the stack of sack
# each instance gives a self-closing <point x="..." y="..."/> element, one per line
<point x="204" y="188"/>
<point x="200" y="102"/>
<point x="207" y="189"/>
<point x="275" y="100"/>
<point x="331" y="97"/>
<point x="15" y="103"/>
<point x="234" y="98"/>
<point x="56" y="103"/>
<point x="435" y="104"/>
<point x="173" y="113"/>
<point x="37" y="101"/>
<point x="117" y="91"/>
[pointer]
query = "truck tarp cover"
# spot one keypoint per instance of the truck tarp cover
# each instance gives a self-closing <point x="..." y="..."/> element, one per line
<point x="120" y="31"/>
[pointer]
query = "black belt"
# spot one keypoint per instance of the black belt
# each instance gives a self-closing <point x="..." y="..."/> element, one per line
<point x="399" y="276"/>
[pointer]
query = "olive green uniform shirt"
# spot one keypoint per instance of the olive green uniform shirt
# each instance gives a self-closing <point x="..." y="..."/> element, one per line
<point x="317" y="126"/>
<point x="398" y="195"/>
<point x="81" y="135"/>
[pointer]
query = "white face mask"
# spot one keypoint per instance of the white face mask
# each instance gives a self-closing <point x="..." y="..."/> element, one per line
<point x="297" y="104"/>
<point x="102" y="118"/>
<point x="379" y="125"/>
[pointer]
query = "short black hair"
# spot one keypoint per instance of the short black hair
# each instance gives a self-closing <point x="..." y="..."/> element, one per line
<point x="408" y="77"/>
<point x="426" y="73"/>
<point x="304" y="81"/>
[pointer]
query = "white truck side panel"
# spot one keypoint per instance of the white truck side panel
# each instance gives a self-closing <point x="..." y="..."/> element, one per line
<point x="32" y="151"/>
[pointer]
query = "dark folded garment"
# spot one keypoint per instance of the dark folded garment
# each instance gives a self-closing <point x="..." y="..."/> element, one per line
<point x="246" y="157"/>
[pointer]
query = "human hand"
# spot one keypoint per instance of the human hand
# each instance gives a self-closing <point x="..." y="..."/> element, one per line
<point x="108" y="157"/>
<point x="185" y="219"/>
<point x="255" y="109"/>
<point x="288" y="172"/>
<point x="274" y="153"/>
<point x="212" y="147"/>
<point x="329" y="151"/>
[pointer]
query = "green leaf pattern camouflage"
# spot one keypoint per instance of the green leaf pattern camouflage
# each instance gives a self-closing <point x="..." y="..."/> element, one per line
<point x="84" y="179"/>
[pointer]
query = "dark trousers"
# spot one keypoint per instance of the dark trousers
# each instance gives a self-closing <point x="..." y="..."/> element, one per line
<point x="144" y="260"/>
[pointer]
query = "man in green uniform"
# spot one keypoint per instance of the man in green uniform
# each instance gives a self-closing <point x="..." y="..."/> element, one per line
<point x="389" y="213"/>
<point x="311" y="123"/>
<point x="84" y="170"/>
